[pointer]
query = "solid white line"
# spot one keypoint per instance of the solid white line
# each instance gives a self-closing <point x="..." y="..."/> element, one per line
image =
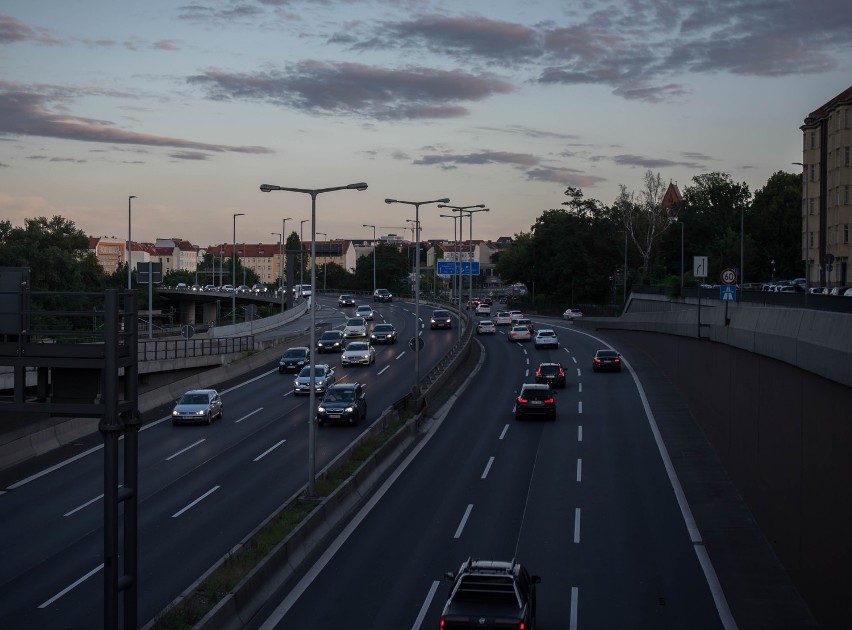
<point x="463" y="521"/>
<point x="248" y="415"/>
<point x="54" y="467"/>
<point x="198" y="500"/>
<point x="86" y="504"/>
<point x="400" y="354"/>
<point x="384" y="369"/>
<point x="580" y="433"/>
<point x="579" y="470"/>
<point x="184" y="450"/>
<point x="503" y="432"/>
<point x="269" y="450"/>
<point x="425" y="607"/>
<point x="487" y="467"/>
<point x="68" y="588"/>
<point x="577" y="525"/>
<point x="575" y="592"/>
<point x="579" y="406"/>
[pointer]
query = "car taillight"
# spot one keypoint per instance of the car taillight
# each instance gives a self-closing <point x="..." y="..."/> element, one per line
<point x="522" y="400"/>
<point x="617" y="360"/>
<point x="548" y="401"/>
<point x="561" y="372"/>
<point x="597" y="360"/>
<point x="538" y="372"/>
<point x="441" y="623"/>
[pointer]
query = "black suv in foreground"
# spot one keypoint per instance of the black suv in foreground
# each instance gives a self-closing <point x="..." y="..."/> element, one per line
<point x="490" y="594"/>
<point x="552" y="374"/>
<point x="343" y="402"/>
<point x="535" y="399"/>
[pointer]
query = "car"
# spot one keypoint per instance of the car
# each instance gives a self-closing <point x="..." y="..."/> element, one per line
<point x="331" y="341"/>
<point x="483" y="309"/>
<point x="571" y="314"/>
<point x="486" y="327"/>
<point x="520" y="333"/>
<point x="355" y="327"/>
<point x="197" y="405"/>
<point x="303" y="290"/>
<point x="358" y="353"/>
<point x="840" y="290"/>
<point x="227" y="288"/>
<point x="816" y="290"/>
<point x="259" y="288"/>
<point x="294" y="359"/>
<point x="181" y="286"/>
<point x="606" y="360"/>
<point x="343" y="402"/>
<point x="490" y="594"/>
<point x="535" y="399"/>
<point x="323" y="377"/>
<point x="546" y="338"/>
<point x="365" y="311"/>
<point x="525" y="321"/>
<point x="383" y="333"/>
<point x="382" y="295"/>
<point x="346" y="300"/>
<point x="243" y="288"/>
<point x="440" y="319"/>
<point x="513" y="315"/>
<point x="196" y="287"/>
<point x="551" y="373"/>
<point x="504" y="318"/>
<point x="210" y="287"/>
<point x="848" y="292"/>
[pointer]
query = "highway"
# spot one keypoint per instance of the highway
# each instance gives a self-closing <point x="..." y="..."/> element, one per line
<point x="585" y="502"/>
<point x="202" y="488"/>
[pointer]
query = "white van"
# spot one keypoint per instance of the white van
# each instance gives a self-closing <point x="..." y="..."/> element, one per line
<point x="303" y="290"/>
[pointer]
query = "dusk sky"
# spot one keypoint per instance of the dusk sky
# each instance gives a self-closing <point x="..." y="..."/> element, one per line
<point x="191" y="106"/>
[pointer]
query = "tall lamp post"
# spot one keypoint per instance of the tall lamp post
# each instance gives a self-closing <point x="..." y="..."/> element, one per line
<point x="416" y="389"/>
<point x="324" y="261"/>
<point x="807" y="232"/>
<point x="284" y="242"/>
<point x="455" y="217"/>
<point x="280" y="253"/>
<point x="480" y="207"/>
<point x="130" y="242"/>
<point x="302" y="252"/>
<point x="234" y="276"/>
<point x="374" y="256"/>
<point x="313" y="395"/>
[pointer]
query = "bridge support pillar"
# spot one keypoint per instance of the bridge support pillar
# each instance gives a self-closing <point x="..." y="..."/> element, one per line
<point x="209" y="309"/>
<point x="187" y="312"/>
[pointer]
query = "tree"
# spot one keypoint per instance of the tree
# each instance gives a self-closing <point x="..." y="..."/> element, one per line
<point x="643" y="219"/>
<point x="775" y="224"/>
<point x="392" y="268"/>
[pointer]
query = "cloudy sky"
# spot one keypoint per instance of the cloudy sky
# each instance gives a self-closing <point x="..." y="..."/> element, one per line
<point x="191" y="106"/>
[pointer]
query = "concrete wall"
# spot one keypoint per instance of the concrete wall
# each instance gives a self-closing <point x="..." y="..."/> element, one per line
<point x="772" y="392"/>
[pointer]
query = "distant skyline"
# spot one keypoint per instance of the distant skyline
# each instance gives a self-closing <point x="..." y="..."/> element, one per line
<point x="190" y="107"/>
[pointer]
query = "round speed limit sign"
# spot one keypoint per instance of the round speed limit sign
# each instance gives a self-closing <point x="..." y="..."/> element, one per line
<point x="729" y="276"/>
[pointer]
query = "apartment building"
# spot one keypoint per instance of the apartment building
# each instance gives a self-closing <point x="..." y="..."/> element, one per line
<point x="826" y="208"/>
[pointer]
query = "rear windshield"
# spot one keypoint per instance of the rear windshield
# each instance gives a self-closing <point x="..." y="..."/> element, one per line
<point x="535" y="394"/>
<point x="549" y="369"/>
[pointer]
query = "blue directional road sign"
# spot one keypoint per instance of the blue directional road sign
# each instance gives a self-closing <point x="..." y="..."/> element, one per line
<point x="728" y="293"/>
<point x="451" y="267"/>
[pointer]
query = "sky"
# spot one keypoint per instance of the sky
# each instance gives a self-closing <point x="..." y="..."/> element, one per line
<point x="191" y="106"/>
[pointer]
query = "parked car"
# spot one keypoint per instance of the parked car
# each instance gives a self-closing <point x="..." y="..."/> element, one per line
<point x="383" y="333"/>
<point x="197" y="405"/>
<point x="837" y="290"/>
<point x="358" y="353"/>
<point x="382" y="295"/>
<point x="346" y="300"/>
<point x="294" y="359"/>
<point x="355" y="327"/>
<point x="535" y="399"/>
<point x="572" y="313"/>
<point x="330" y="341"/>
<point x="520" y="333"/>
<point x="551" y="373"/>
<point x="546" y="338"/>
<point x="365" y="311"/>
<point x="343" y="402"/>
<point x="486" y="327"/>
<point x="504" y="318"/>
<point x="323" y="377"/>
<point x="441" y="319"/>
<point x="490" y="594"/>
<point x="606" y="360"/>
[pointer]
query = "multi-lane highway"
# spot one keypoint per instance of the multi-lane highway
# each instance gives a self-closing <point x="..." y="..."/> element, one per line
<point x="202" y="488"/>
<point x="585" y="502"/>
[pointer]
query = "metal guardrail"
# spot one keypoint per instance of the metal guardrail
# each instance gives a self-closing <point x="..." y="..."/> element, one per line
<point x="165" y="349"/>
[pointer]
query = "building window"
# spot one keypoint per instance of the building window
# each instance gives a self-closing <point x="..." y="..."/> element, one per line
<point x="813" y="172"/>
<point x="813" y="140"/>
<point x="846" y="233"/>
<point x="848" y="117"/>
<point x="810" y="240"/>
<point x="811" y="205"/>
<point x="846" y="195"/>
<point x="846" y="152"/>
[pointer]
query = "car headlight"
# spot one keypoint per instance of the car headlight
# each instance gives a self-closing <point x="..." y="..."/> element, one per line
<point x="201" y="412"/>
<point x="321" y="409"/>
<point x="175" y="413"/>
<point x="350" y="409"/>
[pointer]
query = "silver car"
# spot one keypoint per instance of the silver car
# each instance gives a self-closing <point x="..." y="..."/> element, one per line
<point x="355" y="327"/>
<point x="197" y="405"/>
<point x="365" y="311"/>
<point x="358" y="353"/>
<point x="546" y="338"/>
<point x="323" y="377"/>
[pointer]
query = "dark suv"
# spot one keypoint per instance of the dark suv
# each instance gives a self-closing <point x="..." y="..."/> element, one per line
<point x="343" y="402"/>
<point x="330" y="341"/>
<point x="382" y="295"/>
<point x="294" y="359"/>
<point x="551" y="373"/>
<point x="441" y="319"/>
<point x="535" y="399"/>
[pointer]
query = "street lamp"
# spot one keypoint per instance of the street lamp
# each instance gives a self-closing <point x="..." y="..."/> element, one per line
<point x="416" y="389"/>
<point x="280" y="253"/>
<point x="455" y="217"/>
<point x="324" y="262"/>
<point x="302" y="252"/>
<point x="283" y="242"/>
<point x="129" y="242"/>
<point x="312" y="400"/>
<point x="807" y="232"/>
<point x="480" y="207"/>
<point x="374" y="256"/>
<point x="234" y="275"/>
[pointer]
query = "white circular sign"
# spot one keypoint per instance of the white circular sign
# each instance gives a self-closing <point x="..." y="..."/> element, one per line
<point x="729" y="276"/>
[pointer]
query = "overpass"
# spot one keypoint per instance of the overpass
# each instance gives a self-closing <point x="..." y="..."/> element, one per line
<point x="771" y="389"/>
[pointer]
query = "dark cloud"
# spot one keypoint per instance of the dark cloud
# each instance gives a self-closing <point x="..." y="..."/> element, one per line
<point x="356" y="89"/>
<point x="55" y="159"/>
<point x="482" y="157"/>
<point x="13" y="31"/>
<point x="649" y="162"/>
<point x="24" y="112"/>
<point x="166" y="44"/>
<point x="529" y="132"/>
<point x="218" y="15"/>
<point x="563" y="176"/>
<point x="189" y="155"/>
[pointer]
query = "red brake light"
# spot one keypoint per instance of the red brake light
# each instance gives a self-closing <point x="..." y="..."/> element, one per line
<point x="441" y="623"/>
<point x="538" y="372"/>
<point x="522" y="400"/>
<point x="617" y="360"/>
<point x="548" y="401"/>
<point x="561" y="372"/>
